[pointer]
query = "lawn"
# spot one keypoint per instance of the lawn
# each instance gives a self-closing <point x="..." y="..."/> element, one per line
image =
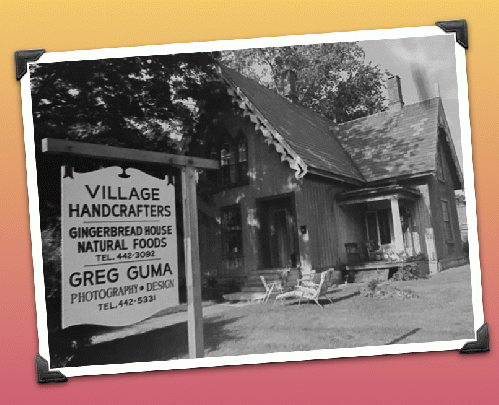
<point x="442" y="312"/>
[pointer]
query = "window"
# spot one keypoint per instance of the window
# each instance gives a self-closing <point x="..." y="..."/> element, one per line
<point x="232" y="233"/>
<point x="242" y="158"/>
<point x="213" y="153"/>
<point x="225" y="162"/>
<point x="378" y="227"/>
<point x="233" y="157"/>
<point x="372" y="226"/>
<point x="233" y="160"/>
<point x="449" y="237"/>
<point x="384" y="227"/>
<point x="232" y="166"/>
<point x="440" y="165"/>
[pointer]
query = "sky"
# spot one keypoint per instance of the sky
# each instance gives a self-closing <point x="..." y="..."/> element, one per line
<point x="434" y="57"/>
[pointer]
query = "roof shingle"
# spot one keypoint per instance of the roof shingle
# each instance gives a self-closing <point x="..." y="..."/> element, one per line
<point x="377" y="147"/>
<point x="303" y="129"/>
<point x="393" y="144"/>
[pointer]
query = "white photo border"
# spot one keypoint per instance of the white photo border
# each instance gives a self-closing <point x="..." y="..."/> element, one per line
<point x="278" y="357"/>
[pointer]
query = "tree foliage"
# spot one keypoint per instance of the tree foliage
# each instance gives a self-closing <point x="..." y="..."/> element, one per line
<point x="333" y="79"/>
<point x="162" y="103"/>
<point x="147" y="102"/>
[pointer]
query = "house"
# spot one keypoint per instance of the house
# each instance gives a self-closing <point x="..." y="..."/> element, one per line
<point x="295" y="190"/>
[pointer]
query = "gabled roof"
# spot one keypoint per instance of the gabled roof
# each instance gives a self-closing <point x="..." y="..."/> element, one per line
<point x="373" y="149"/>
<point x="305" y="131"/>
<point x="456" y="171"/>
<point x="393" y="144"/>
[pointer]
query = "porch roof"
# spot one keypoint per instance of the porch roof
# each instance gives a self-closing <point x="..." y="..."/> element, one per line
<point x="371" y="194"/>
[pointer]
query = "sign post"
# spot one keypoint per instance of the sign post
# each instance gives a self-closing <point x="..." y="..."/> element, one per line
<point x="192" y="268"/>
<point x="93" y="191"/>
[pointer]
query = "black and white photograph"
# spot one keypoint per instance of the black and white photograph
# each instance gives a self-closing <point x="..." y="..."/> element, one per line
<point x="251" y="201"/>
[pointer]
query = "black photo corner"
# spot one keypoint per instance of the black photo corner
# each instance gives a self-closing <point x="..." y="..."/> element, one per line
<point x="21" y="59"/>
<point x="44" y="375"/>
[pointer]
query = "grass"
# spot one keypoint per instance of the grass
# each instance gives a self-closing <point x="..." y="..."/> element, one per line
<point x="443" y="312"/>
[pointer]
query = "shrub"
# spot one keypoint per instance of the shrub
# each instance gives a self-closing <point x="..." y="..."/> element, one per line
<point x="375" y="289"/>
<point x="214" y="288"/>
<point x="410" y="271"/>
<point x="51" y="252"/>
<point x="370" y="289"/>
<point x="63" y="343"/>
<point x="371" y="286"/>
<point x="415" y="258"/>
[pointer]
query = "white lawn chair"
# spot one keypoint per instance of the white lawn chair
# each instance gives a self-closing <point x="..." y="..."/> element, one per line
<point x="313" y="291"/>
<point x="271" y="288"/>
<point x="310" y="290"/>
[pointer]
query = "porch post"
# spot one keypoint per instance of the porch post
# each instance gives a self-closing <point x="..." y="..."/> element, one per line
<point x="397" y="225"/>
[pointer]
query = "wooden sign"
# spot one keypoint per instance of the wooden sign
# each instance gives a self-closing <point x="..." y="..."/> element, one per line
<point x="119" y="246"/>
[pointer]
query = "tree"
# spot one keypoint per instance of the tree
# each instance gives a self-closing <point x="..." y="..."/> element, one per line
<point x="147" y="102"/>
<point x="333" y="79"/>
<point x="163" y="103"/>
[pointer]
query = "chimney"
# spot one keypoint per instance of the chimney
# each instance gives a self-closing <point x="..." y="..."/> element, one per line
<point x="437" y="89"/>
<point x="395" y="100"/>
<point x="288" y="85"/>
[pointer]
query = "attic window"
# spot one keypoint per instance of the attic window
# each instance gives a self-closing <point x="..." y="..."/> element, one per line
<point x="213" y="153"/>
<point x="242" y="158"/>
<point x="440" y="165"/>
<point x="234" y="161"/>
<point x="227" y="165"/>
<point x="232" y="153"/>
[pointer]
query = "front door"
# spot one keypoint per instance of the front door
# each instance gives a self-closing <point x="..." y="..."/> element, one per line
<point x="278" y="239"/>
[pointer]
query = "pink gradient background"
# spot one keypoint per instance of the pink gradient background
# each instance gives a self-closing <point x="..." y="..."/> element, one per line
<point x="445" y="377"/>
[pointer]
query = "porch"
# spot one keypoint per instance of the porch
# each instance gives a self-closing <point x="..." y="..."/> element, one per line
<point x="382" y="231"/>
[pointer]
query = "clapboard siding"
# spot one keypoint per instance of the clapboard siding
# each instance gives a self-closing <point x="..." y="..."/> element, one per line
<point x="351" y="227"/>
<point x="319" y="247"/>
<point x="421" y="214"/>
<point x="445" y="190"/>
<point x="328" y="225"/>
<point x="269" y="176"/>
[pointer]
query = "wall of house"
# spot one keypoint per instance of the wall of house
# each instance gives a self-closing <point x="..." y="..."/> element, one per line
<point x="420" y="211"/>
<point x="269" y="176"/>
<point x="317" y="210"/>
<point x="209" y="237"/>
<point x="428" y="217"/>
<point x="328" y="227"/>
<point x="351" y="227"/>
<point x="446" y="251"/>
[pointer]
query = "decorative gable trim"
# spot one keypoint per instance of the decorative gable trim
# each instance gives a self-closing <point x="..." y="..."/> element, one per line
<point x="271" y="135"/>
